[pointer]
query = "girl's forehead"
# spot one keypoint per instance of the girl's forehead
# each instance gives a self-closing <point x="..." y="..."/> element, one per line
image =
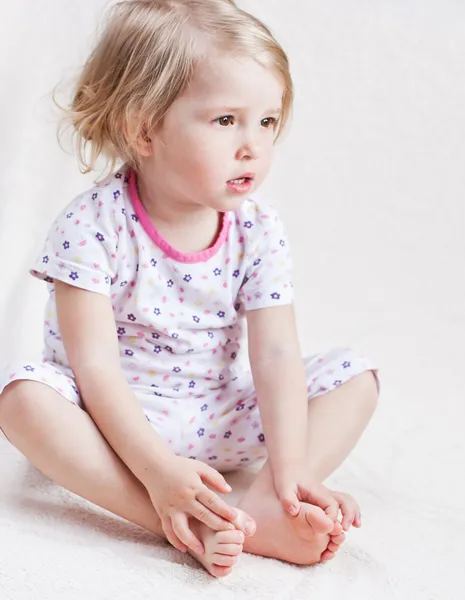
<point x="234" y="81"/>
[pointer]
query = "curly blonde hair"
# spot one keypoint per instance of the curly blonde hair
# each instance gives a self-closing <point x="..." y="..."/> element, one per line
<point x="146" y="57"/>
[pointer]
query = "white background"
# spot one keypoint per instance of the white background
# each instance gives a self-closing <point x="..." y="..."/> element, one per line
<point x="370" y="182"/>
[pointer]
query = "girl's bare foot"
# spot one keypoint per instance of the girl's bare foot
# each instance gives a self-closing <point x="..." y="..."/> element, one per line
<point x="222" y="548"/>
<point x="309" y="538"/>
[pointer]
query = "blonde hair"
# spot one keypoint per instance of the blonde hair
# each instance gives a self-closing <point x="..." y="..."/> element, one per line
<point x="145" y="59"/>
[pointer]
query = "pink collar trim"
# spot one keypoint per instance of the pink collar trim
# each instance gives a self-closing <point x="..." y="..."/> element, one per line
<point x="155" y="236"/>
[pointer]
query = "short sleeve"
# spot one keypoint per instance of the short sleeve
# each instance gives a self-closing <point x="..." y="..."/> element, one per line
<point x="80" y="248"/>
<point x="268" y="280"/>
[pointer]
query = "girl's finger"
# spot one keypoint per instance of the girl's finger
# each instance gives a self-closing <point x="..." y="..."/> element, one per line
<point x="290" y="503"/>
<point x="212" y="477"/>
<point x="216" y="505"/>
<point x="172" y="537"/>
<point x="205" y="515"/>
<point x="181" y="529"/>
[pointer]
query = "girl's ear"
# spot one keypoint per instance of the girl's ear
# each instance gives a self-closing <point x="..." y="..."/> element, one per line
<point x="143" y="144"/>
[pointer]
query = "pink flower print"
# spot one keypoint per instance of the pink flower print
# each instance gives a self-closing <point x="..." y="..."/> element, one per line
<point x="190" y="447"/>
<point x="12" y="376"/>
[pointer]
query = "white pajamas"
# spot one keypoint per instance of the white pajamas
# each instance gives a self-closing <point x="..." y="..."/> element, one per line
<point x="179" y="317"/>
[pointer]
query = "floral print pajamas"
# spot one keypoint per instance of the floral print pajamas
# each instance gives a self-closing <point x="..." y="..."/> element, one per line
<point x="180" y="318"/>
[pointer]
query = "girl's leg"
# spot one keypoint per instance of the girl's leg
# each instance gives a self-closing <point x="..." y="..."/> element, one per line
<point x="336" y="421"/>
<point x="63" y="442"/>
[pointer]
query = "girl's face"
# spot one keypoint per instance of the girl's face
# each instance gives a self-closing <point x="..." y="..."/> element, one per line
<point x="221" y="129"/>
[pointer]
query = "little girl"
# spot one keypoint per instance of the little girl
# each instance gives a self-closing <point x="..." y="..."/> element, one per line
<point x="141" y="401"/>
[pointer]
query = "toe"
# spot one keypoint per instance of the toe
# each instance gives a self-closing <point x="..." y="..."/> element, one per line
<point x="231" y="549"/>
<point x="338" y="539"/>
<point x="333" y="547"/>
<point x="327" y="555"/>
<point x="230" y="536"/>
<point x="223" y="560"/>
<point x="337" y="529"/>
<point x="217" y="571"/>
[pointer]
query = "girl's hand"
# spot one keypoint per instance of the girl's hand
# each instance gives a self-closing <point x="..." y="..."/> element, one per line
<point x="349" y="508"/>
<point x="178" y="492"/>
<point x="293" y="486"/>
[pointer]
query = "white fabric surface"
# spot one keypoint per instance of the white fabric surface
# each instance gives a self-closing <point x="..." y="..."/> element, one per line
<point x="370" y="183"/>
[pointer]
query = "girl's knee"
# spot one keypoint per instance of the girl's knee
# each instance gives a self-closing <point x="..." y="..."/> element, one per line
<point x="18" y="400"/>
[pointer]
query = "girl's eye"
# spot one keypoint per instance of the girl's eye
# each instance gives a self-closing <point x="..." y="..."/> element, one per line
<point x="225" y="121"/>
<point x="269" y="122"/>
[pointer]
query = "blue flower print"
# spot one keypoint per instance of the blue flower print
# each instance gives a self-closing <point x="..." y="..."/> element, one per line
<point x="237" y="306"/>
<point x="176" y="370"/>
<point x="94" y="196"/>
<point x="192" y="457"/>
<point x="66" y="245"/>
<point x="212" y="457"/>
<point x="169" y="349"/>
<point x="201" y="432"/>
<point x="73" y="275"/>
<point x="245" y="459"/>
<point x="69" y="215"/>
<point x="187" y="278"/>
<point x="346" y="364"/>
<point x="157" y="311"/>
<point x="123" y="283"/>
<point x="100" y="237"/>
<point x="248" y="224"/>
<point x="156" y="336"/>
<point x="221" y="314"/>
<point x="236" y="273"/>
<point x="153" y="262"/>
<point x="275" y="296"/>
<point x="121" y="330"/>
<point x="240" y="407"/>
<point x="116" y="194"/>
<point x="123" y="210"/>
<point x="204" y="407"/>
<point x="118" y="175"/>
<point x="233" y="355"/>
<point x="257" y="262"/>
<point x="170" y="283"/>
<point x="45" y="259"/>
<point x="337" y="383"/>
<point x="220" y="377"/>
<point x="175" y="336"/>
<point x="227" y="435"/>
<point x="217" y="272"/>
<point x="126" y="179"/>
<point x="261" y="437"/>
<point x="157" y="349"/>
<point x="196" y="319"/>
<point x="29" y="368"/>
<point x="135" y="218"/>
<point x="282" y="243"/>
<point x="192" y="384"/>
<point x="129" y="353"/>
<point x="131" y="317"/>
<point x="211" y="335"/>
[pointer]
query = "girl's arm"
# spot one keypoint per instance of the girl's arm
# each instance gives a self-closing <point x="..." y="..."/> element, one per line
<point x="89" y="335"/>
<point x="280" y="383"/>
<point x="176" y="486"/>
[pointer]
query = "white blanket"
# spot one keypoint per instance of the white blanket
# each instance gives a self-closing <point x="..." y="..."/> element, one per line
<point x="370" y="183"/>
